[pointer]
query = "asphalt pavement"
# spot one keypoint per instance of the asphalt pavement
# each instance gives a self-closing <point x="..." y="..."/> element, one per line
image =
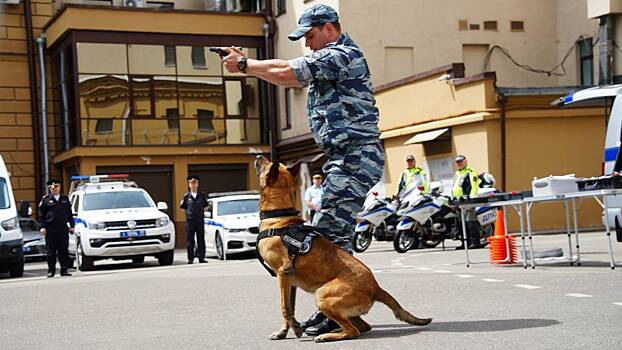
<point x="234" y="304"/>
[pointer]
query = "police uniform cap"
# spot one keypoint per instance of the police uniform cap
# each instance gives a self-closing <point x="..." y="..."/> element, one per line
<point x="460" y="158"/>
<point x="53" y="182"/>
<point x="192" y="177"/>
<point x="410" y="157"/>
<point x="314" y="16"/>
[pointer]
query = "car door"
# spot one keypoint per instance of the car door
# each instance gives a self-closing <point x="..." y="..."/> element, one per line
<point x="210" y="245"/>
<point x="75" y="203"/>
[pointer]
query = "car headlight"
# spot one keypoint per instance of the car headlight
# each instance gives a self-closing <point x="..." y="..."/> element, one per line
<point x="10" y="224"/>
<point x="163" y="221"/>
<point x="97" y="226"/>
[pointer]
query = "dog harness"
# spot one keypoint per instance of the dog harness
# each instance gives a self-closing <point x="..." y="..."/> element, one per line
<point x="297" y="238"/>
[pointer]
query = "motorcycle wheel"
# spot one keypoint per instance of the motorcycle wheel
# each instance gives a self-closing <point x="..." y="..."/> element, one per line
<point x="403" y="241"/>
<point x="361" y="241"/>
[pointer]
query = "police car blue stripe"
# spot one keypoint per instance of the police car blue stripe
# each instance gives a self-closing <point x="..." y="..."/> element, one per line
<point x="80" y="221"/>
<point x="213" y="223"/>
<point x="611" y="153"/>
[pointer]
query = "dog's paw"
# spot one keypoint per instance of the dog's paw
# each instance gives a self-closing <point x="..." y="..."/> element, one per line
<point x="279" y="335"/>
<point x="297" y="329"/>
<point x="323" y="338"/>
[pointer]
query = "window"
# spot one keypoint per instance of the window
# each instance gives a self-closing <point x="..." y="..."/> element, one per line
<point x="198" y="57"/>
<point x="206" y="120"/>
<point x="4" y="194"/>
<point x="473" y="26"/>
<point x="75" y="204"/>
<point x="103" y="126"/>
<point x="235" y="98"/>
<point x="172" y="117"/>
<point x="490" y="25"/>
<point x="586" y="61"/>
<point x="280" y="7"/>
<point x="169" y="56"/>
<point x="517" y="26"/>
<point x="288" y="109"/>
<point x="463" y="25"/>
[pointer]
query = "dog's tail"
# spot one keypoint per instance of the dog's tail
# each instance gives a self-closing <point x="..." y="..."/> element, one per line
<point x="400" y="313"/>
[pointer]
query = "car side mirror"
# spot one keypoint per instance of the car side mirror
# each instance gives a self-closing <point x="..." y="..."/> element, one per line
<point x="208" y="214"/>
<point x="162" y="206"/>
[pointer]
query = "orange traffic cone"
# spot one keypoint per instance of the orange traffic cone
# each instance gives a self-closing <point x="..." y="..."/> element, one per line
<point x="497" y="246"/>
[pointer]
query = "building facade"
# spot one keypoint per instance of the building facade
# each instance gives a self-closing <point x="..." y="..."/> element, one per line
<point x="132" y="88"/>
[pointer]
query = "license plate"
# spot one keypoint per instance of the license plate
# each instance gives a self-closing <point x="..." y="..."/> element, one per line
<point x="138" y="233"/>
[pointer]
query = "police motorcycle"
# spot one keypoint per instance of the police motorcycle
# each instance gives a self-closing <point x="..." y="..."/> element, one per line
<point x="377" y="219"/>
<point x="428" y="219"/>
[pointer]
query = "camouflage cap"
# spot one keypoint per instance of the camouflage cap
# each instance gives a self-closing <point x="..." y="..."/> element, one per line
<point x="315" y="15"/>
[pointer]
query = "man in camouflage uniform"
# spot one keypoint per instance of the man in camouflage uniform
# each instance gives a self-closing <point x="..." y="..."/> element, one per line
<point x="343" y="118"/>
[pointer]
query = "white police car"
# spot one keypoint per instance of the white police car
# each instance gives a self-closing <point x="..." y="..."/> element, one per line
<point x="115" y="219"/>
<point x="232" y="218"/>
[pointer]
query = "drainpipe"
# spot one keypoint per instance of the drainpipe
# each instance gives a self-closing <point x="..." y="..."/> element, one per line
<point x="269" y="30"/>
<point x="504" y="101"/>
<point x="44" y="114"/>
<point x="605" y="49"/>
<point x="32" y="84"/>
<point x="65" y="102"/>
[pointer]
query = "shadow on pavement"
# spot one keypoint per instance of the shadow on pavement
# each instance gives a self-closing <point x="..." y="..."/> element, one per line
<point x="398" y="330"/>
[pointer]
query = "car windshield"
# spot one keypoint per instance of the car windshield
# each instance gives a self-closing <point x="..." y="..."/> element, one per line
<point x="240" y="206"/>
<point x="4" y="194"/>
<point x="116" y="200"/>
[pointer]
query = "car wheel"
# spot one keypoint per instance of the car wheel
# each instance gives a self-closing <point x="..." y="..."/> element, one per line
<point x="17" y="268"/>
<point x="138" y="259"/>
<point x="219" y="246"/>
<point x="85" y="263"/>
<point x="166" y="258"/>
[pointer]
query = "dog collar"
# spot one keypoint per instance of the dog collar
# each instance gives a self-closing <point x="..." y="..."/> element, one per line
<point x="269" y="214"/>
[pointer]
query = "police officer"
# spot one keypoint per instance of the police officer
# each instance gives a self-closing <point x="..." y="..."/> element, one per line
<point x="466" y="183"/>
<point x="54" y="215"/>
<point x="194" y="203"/>
<point x="343" y="116"/>
<point x="313" y="195"/>
<point x="411" y="173"/>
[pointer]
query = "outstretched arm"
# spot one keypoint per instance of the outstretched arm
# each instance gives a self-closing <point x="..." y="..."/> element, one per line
<point x="274" y="71"/>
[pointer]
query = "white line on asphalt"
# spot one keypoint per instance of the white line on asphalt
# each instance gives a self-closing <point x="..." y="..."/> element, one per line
<point x="526" y="286"/>
<point x="491" y="280"/>
<point x="619" y="304"/>
<point x="578" y="295"/>
<point x="442" y="271"/>
<point x="424" y="268"/>
<point x="397" y="264"/>
<point x="465" y="276"/>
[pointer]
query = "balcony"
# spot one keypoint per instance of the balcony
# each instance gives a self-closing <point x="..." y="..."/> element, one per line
<point x="232" y="6"/>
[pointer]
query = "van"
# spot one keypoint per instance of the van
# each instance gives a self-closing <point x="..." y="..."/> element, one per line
<point x="610" y="98"/>
<point x="11" y="238"/>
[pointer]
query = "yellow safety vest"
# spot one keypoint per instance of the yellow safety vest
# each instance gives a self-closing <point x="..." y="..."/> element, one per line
<point x="459" y="176"/>
<point x="409" y="174"/>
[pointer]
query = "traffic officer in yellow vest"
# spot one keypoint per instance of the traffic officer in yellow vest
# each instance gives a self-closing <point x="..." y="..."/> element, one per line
<point x="411" y="172"/>
<point x="466" y="183"/>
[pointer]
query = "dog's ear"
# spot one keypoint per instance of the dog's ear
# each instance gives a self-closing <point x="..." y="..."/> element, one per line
<point x="294" y="169"/>
<point x="273" y="173"/>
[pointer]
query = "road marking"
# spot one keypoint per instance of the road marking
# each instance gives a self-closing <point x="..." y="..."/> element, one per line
<point x="619" y="304"/>
<point x="424" y="268"/>
<point x="578" y="295"/>
<point x="442" y="271"/>
<point x="491" y="280"/>
<point x="397" y="264"/>
<point x="526" y="286"/>
<point x="377" y="271"/>
<point x="465" y="276"/>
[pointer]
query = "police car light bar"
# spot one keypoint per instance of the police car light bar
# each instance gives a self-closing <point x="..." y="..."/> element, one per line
<point x="96" y="178"/>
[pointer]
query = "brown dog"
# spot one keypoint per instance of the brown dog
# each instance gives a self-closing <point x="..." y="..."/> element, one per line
<point x="344" y="287"/>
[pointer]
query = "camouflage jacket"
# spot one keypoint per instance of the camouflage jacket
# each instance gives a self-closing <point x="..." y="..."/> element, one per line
<point x="341" y="105"/>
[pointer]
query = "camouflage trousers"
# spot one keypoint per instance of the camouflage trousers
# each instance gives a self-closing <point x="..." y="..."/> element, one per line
<point x="348" y="179"/>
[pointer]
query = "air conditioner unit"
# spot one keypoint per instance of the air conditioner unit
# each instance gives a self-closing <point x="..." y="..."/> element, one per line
<point x="9" y="2"/>
<point x="133" y="3"/>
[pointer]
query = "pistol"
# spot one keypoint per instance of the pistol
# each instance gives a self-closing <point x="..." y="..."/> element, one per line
<point x="219" y="51"/>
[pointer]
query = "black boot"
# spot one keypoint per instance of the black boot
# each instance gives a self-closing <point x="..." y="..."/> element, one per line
<point x="64" y="272"/>
<point x="313" y="320"/>
<point x="50" y="274"/>
<point x="326" y="326"/>
<point x="473" y="235"/>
